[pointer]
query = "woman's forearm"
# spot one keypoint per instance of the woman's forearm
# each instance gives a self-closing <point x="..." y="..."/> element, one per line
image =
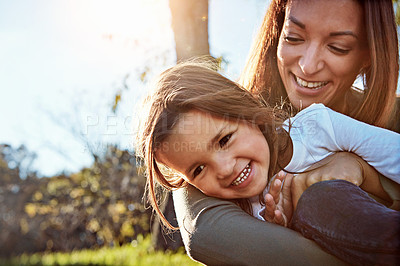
<point x="217" y="232"/>
<point x="372" y="183"/>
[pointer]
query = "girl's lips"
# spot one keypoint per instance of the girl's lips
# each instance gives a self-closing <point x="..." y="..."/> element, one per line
<point x="309" y="88"/>
<point x="245" y="179"/>
<point x="242" y="176"/>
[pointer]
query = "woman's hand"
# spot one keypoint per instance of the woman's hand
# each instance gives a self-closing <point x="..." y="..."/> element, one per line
<point x="281" y="201"/>
<point x="341" y="165"/>
<point x="278" y="200"/>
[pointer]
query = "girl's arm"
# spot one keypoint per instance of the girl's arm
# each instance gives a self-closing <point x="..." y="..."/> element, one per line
<point x="217" y="232"/>
<point x="318" y="132"/>
<point x="379" y="147"/>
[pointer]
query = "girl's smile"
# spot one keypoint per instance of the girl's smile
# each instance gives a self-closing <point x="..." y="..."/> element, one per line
<point x="222" y="158"/>
<point x="243" y="176"/>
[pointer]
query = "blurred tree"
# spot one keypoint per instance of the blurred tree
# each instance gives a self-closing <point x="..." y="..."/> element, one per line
<point x="15" y="163"/>
<point x="397" y="11"/>
<point x="190" y="26"/>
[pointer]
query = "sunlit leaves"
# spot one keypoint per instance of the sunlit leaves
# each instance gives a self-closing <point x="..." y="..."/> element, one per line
<point x="57" y="185"/>
<point x="77" y="192"/>
<point x="24" y="226"/>
<point x="117" y="99"/>
<point x="37" y="196"/>
<point x="127" y="230"/>
<point x="93" y="226"/>
<point x="30" y="209"/>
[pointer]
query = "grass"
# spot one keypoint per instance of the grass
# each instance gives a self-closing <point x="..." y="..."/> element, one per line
<point x="139" y="252"/>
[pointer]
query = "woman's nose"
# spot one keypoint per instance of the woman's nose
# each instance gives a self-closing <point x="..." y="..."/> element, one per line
<point x="311" y="62"/>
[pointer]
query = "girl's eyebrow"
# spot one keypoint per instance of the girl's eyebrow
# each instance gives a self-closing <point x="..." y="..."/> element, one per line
<point x="336" y="33"/>
<point x="210" y="146"/>
<point x="216" y="137"/>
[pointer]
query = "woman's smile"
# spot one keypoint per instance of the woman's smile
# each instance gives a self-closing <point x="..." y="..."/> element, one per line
<point x="315" y="85"/>
<point x="309" y="88"/>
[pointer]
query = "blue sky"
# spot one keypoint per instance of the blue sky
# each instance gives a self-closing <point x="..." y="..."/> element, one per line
<point x="63" y="61"/>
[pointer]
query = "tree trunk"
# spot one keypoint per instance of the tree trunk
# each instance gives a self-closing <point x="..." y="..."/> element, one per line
<point x="190" y="26"/>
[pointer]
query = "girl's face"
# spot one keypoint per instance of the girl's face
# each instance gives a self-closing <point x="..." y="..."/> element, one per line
<point x="220" y="157"/>
<point x="321" y="50"/>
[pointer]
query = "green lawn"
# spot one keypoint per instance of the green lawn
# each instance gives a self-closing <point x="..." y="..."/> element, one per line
<point x="137" y="253"/>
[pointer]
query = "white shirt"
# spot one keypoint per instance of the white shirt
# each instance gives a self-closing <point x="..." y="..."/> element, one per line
<point x="318" y="132"/>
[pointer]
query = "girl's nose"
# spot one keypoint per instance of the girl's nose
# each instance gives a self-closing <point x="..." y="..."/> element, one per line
<point x="224" y="166"/>
<point x="311" y="62"/>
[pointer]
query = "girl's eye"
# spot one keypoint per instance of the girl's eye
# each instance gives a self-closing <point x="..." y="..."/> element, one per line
<point x="292" y="40"/>
<point x="224" y="140"/>
<point x="338" y="50"/>
<point x="198" y="170"/>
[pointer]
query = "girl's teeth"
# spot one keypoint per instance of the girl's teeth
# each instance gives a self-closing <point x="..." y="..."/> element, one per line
<point x="310" y="85"/>
<point x="243" y="176"/>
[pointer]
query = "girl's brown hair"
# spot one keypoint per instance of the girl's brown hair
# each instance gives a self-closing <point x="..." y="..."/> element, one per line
<point x="376" y="102"/>
<point x="195" y="86"/>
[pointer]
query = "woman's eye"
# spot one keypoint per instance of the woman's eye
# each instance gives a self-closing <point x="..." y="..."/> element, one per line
<point x="198" y="170"/>
<point x="292" y="40"/>
<point x="224" y="140"/>
<point x="339" y="50"/>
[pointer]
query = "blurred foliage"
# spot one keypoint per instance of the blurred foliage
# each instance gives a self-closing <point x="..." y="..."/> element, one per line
<point x="138" y="252"/>
<point x="397" y="11"/>
<point x="15" y="163"/>
<point x="98" y="206"/>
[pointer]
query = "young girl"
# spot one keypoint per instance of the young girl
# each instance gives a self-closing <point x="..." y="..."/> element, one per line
<point x="205" y="130"/>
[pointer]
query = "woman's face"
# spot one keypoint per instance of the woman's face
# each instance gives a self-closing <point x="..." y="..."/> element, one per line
<point x="321" y="50"/>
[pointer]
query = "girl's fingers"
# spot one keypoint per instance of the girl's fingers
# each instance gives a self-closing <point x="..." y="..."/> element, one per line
<point x="270" y="208"/>
<point x="275" y="190"/>
<point x="281" y="175"/>
<point x="278" y="218"/>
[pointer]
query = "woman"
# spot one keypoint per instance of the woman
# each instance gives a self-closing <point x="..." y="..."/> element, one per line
<point x="282" y="45"/>
<point x="294" y="46"/>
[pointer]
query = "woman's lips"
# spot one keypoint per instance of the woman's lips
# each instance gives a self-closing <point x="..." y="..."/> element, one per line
<point x="309" y="88"/>
<point x="315" y="85"/>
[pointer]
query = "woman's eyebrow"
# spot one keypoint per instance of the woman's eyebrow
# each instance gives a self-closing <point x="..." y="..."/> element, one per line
<point x="336" y="33"/>
<point x="346" y="32"/>
<point x="297" y="22"/>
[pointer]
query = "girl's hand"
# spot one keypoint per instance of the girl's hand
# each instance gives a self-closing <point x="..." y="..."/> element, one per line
<point x="278" y="201"/>
<point x="341" y="165"/>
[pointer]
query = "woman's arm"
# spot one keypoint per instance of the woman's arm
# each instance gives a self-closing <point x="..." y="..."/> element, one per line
<point x="346" y="166"/>
<point x="341" y="165"/>
<point x="217" y="232"/>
